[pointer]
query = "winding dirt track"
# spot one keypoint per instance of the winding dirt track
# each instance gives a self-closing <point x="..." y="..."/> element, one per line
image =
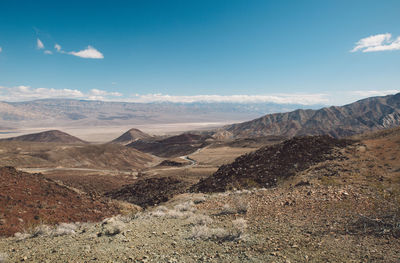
<point x="50" y="169"/>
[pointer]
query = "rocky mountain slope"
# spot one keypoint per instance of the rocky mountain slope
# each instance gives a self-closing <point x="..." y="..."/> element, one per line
<point x="365" y="115"/>
<point x="131" y="136"/>
<point x="149" y="192"/>
<point x="173" y="146"/>
<point x="27" y="200"/>
<point x="48" y="136"/>
<point x="270" y="164"/>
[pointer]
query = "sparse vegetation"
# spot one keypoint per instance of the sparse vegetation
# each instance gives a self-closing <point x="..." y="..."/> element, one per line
<point x="65" y="229"/>
<point x="208" y="233"/>
<point x="3" y="257"/>
<point x="227" y="210"/>
<point x="197" y="199"/>
<point x="203" y="220"/>
<point x="239" y="206"/>
<point x="349" y="215"/>
<point x="47" y="230"/>
<point x="112" y="226"/>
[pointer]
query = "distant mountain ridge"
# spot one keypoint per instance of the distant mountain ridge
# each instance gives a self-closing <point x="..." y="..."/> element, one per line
<point x="68" y="112"/>
<point x="47" y="136"/>
<point x="364" y="115"/>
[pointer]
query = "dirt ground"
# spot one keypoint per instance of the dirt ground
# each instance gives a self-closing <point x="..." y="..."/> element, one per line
<point x="337" y="210"/>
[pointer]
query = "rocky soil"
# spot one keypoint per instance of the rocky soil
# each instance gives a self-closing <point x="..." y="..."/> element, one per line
<point x="27" y="200"/>
<point x="266" y="166"/>
<point x="150" y="191"/>
<point x="343" y="207"/>
<point x="173" y="146"/>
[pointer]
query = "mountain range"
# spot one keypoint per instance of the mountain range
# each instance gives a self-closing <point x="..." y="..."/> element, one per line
<point x="369" y="114"/>
<point x="70" y="112"/>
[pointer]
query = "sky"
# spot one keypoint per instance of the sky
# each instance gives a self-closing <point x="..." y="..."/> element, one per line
<point x="309" y="52"/>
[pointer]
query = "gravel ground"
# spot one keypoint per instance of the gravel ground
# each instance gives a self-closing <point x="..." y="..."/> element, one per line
<point x="343" y="210"/>
<point x="243" y="226"/>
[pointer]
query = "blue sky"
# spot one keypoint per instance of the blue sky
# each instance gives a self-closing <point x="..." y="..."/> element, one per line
<point x="330" y="52"/>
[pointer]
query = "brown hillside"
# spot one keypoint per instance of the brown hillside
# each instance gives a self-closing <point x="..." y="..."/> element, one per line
<point x="131" y="136"/>
<point x="48" y="136"/>
<point x="27" y="200"/>
<point x="102" y="156"/>
<point x="266" y="166"/>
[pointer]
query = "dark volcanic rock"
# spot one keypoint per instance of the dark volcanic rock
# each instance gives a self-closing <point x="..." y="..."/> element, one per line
<point x="264" y="167"/>
<point x="151" y="191"/>
<point x="173" y="146"/>
<point x="170" y="163"/>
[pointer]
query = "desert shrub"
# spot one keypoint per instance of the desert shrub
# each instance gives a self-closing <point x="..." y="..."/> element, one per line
<point x="183" y="210"/>
<point x="239" y="227"/>
<point x="200" y="220"/>
<point x="158" y="213"/>
<point x="223" y="194"/>
<point x="386" y="224"/>
<point x="206" y="233"/>
<point x="112" y="226"/>
<point x="241" y="205"/>
<point x="64" y="229"/>
<point x="46" y="230"/>
<point x="186" y="206"/>
<point x="199" y="199"/>
<point x="242" y="208"/>
<point x="41" y="230"/>
<point x="3" y="257"/>
<point x="22" y="236"/>
<point x="227" y="209"/>
<point x="162" y="208"/>
<point x="179" y="214"/>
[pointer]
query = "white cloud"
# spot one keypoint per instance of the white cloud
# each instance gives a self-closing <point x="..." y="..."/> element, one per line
<point x="98" y="92"/>
<point x="89" y="52"/>
<point x="39" y="44"/>
<point x="1" y="49"/>
<point x="21" y="93"/>
<point x="57" y="47"/>
<point x="304" y="99"/>
<point x="371" y="93"/>
<point x="24" y="93"/>
<point x="380" y="42"/>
